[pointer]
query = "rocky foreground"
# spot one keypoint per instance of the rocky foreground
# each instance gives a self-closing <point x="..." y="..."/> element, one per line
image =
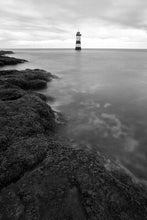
<point x="44" y="179"/>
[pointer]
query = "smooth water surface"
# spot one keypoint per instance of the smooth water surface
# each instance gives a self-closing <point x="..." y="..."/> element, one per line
<point x="103" y="94"/>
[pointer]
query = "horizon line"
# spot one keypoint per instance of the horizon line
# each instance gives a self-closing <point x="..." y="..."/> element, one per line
<point x="55" y="48"/>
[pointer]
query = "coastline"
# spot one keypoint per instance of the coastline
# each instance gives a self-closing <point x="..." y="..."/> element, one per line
<point x="40" y="177"/>
<point x="6" y="60"/>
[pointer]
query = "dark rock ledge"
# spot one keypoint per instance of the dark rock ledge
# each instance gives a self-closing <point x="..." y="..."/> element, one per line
<point x="5" y="60"/>
<point x="44" y="179"/>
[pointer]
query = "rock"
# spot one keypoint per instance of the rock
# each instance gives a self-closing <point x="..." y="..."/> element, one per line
<point x="14" y="207"/>
<point x="11" y="94"/>
<point x="3" y="52"/>
<point x="53" y="189"/>
<point x="5" y="60"/>
<point x="20" y="119"/>
<point x="41" y="96"/>
<point x="25" y="120"/>
<point x="26" y="79"/>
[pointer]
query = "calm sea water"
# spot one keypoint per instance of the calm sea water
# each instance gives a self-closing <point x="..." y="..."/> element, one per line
<point x="103" y="94"/>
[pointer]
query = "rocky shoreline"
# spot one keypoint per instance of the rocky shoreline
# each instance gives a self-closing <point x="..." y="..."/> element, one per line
<point x="5" y="60"/>
<point x="42" y="178"/>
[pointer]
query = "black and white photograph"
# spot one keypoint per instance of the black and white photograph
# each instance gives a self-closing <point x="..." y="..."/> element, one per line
<point x="73" y="110"/>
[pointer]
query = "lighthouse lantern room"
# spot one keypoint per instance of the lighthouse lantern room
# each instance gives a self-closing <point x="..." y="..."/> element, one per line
<point x="78" y="41"/>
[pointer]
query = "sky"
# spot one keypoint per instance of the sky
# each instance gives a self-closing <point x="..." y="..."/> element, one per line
<point x="54" y="23"/>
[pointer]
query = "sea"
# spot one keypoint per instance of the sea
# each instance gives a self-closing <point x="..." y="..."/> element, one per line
<point x="102" y="94"/>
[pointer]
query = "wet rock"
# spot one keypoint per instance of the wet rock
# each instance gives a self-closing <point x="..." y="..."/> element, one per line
<point x="25" y="120"/>
<point x="5" y="60"/>
<point x="26" y="79"/>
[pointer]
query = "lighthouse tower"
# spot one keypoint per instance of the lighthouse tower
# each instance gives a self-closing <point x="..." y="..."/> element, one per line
<point x="78" y="41"/>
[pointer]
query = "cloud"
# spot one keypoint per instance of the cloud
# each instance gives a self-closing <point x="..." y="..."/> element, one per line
<point x="106" y="23"/>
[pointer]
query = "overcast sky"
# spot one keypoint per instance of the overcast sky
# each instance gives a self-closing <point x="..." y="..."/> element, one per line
<point x="53" y="23"/>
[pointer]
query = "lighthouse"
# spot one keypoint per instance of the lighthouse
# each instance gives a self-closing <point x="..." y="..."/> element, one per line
<point x="78" y="41"/>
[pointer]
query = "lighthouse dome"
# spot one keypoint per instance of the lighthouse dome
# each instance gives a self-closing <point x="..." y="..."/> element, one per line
<point x="78" y="33"/>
